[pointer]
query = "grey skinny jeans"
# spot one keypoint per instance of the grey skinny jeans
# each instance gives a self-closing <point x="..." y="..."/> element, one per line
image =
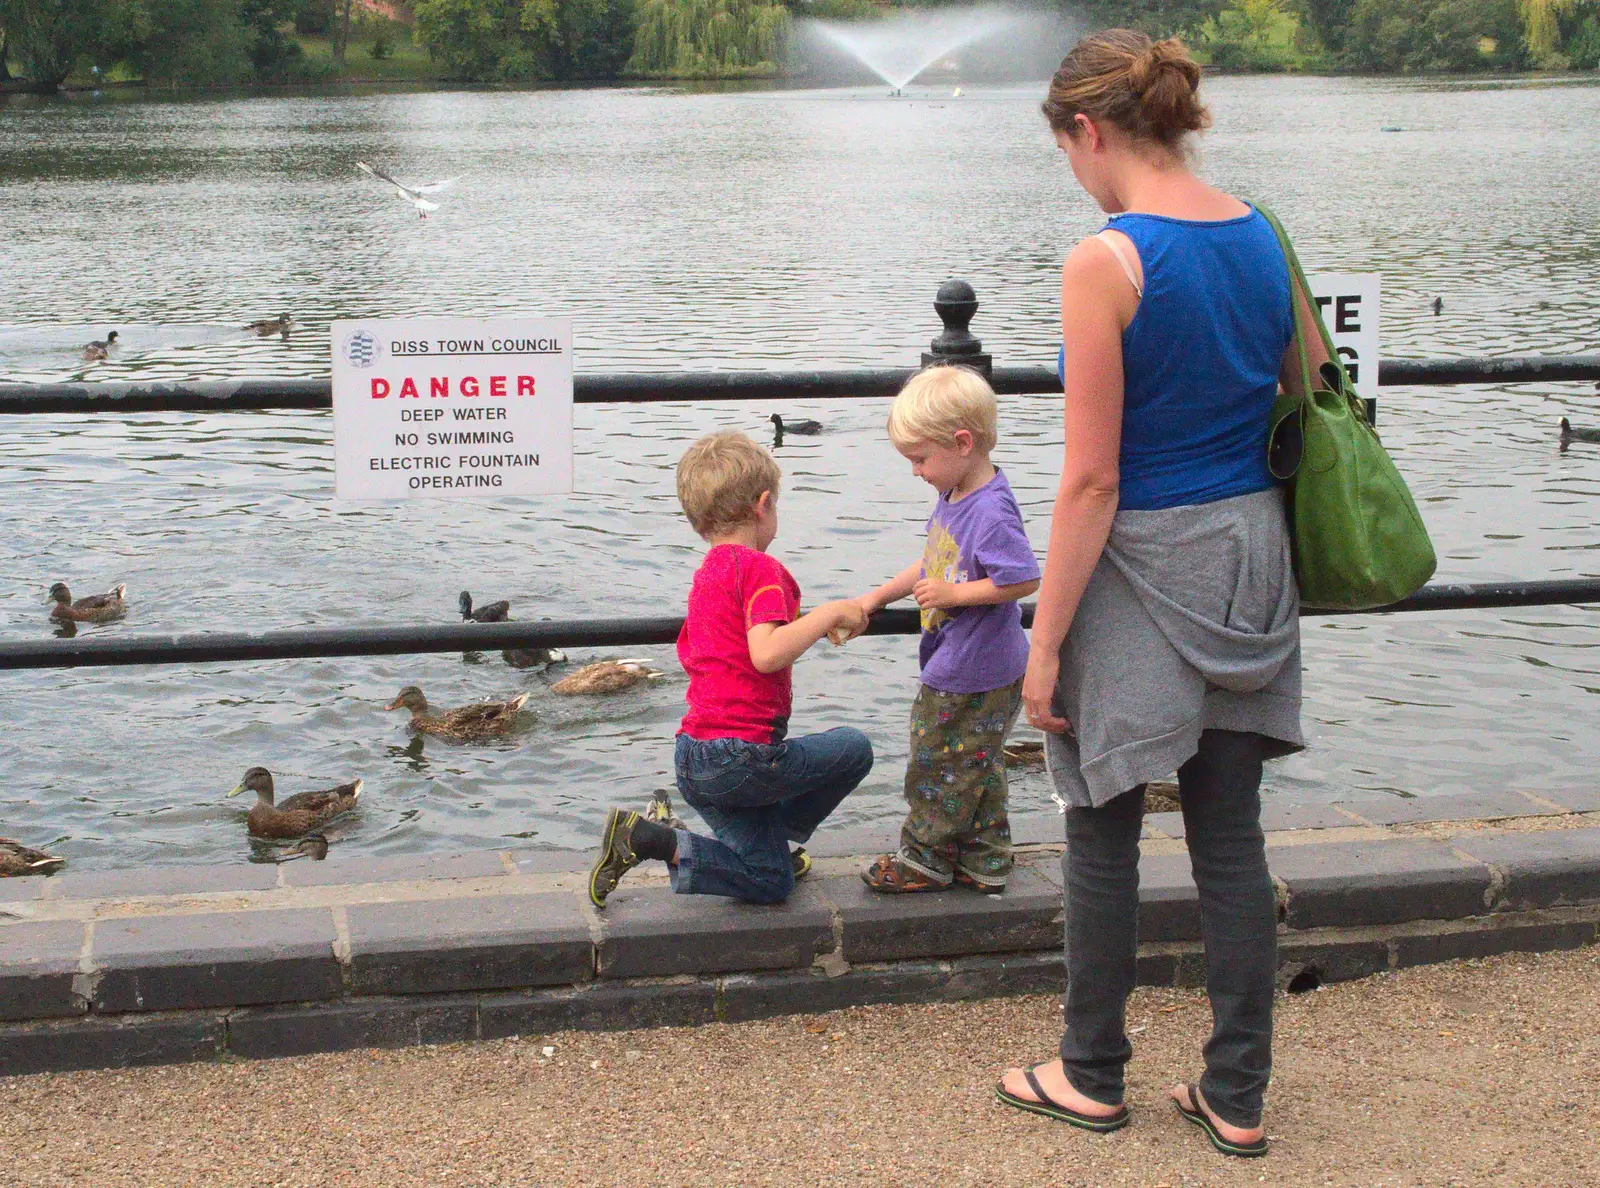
<point x="1220" y="788"/>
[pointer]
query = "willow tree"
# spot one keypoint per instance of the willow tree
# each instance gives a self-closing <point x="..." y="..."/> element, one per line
<point x="708" y="38"/>
<point x="1541" y="25"/>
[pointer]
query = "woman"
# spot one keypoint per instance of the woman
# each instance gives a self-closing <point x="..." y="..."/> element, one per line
<point x="1167" y="635"/>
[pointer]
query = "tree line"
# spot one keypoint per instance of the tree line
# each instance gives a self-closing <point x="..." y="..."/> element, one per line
<point x="1373" y="36"/>
<point x="220" y="42"/>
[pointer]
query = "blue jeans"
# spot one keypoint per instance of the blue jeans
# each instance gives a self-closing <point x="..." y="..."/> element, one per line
<point x="757" y="798"/>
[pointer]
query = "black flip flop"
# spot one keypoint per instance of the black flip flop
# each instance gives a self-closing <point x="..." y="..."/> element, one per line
<point x="1051" y="1108"/>
<point x="1203" y="1120"/>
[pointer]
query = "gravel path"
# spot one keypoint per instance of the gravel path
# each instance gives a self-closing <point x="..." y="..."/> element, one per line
<point x="1477" y="1073"/>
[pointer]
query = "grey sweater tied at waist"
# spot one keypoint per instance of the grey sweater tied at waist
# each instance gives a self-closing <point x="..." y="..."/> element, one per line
<point x="1190" y="622"/>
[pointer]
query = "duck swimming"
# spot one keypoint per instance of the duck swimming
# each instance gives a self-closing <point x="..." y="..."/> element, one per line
<point x="96" y="351"/>
<point x="495" y="612"/>
<point x="500" y="612"/>
<point x="1570" y="435"/>
<point x="298" y="815"/>
<point x="97" y="608"/>
<point x="17" y="860"/>
<point x="267" y="327"/>
<point x="467" y="723"/>
<point x="607" y="676"/>
<point x="802" y="427"/>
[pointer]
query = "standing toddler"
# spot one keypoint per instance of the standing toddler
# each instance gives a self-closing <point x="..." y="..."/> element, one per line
<point x="975" y="565"/>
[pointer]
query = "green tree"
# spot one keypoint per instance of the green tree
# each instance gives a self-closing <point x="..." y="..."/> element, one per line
<point x="1409" y="36"/>
<point x="49" y="37"/>
<point x="521" y="40"/>
<point x="708" y="38"/>
<point x="1253" y="35"/>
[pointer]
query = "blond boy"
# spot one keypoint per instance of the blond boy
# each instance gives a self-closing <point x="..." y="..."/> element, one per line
<point x="975" y="565"/>
<point x="756" y="788"/>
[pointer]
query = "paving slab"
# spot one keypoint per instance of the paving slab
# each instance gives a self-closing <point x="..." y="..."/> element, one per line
<point x="600" y="1006"/>
<point x="1353" y="884"/>
<point x="1168" y="824"/>
<point x="951" y="923"/>
<point x="356" y="1023"/>
<point x="18" y="890"/>
<point x="1496" y="935"/>
<point x="652" y="932"/>
<point x="1333" y="960"/>
<point x="1281" y="815"/>
<point x="38" y="962"/>
<point x="1543" y="868"/>
<point x="1473" y="806"/>
<point x="110" y="1043"/>
<point x="150" y="881"/>
<point x="474" y="943"/>
<point x="154" y="963"/>
<point x="1575" y="800"/>
<point x="762" y="996"/>
<point x="474" y="864"/>
<point x="1035" y="829"/>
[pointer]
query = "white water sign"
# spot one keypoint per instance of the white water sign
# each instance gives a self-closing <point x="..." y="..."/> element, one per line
<point x="463" y="408"/>
<point x="1349" y="304"/>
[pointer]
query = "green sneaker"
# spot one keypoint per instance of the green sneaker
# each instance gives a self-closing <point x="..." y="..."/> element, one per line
<point x="616" y="855"/>
<point x="802" y="863"/>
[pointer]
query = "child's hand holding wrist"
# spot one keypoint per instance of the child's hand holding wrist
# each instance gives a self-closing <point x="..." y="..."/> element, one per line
<point x="934" y="594"/>
<point x="850" y="620"/>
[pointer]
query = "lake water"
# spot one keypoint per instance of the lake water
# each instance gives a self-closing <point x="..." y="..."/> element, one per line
<point x="685" y="229"/>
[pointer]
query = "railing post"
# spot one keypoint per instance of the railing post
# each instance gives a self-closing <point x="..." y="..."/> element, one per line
<point x="956" y="304"/>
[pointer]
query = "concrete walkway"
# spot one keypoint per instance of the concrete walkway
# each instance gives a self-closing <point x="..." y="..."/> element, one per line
<point x="1464" y="1074"/>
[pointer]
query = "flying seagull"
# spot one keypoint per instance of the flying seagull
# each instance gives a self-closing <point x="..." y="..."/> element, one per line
<point x="412" y="194"/>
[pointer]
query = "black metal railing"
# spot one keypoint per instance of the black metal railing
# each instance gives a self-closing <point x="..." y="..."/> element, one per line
<point x="294" y="643"/>
<point x="256" y="395"/>
<point x="955" y="303"/>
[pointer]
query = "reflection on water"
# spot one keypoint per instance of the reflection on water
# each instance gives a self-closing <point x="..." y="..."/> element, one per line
<point x="694" y="230"/>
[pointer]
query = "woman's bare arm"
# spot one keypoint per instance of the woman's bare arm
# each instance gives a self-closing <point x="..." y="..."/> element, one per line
<point x="1096" y="304"/>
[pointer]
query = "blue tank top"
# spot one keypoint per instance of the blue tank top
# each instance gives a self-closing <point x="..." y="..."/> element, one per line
<point x="1200" y="359"/>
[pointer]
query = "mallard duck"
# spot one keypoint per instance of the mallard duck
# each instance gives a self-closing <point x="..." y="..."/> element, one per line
<point x="495" y="612"/>
<point x="464" y="724"/>
<point x="95" y="351"/>
<point x="313" y="846"/>
<point x="98" y="608"/>
<point x="802" y="427"/>
<point x="1024" y="753"/>
<point x="1161" y="796"/>
<point x="1438" y="306"/>
<point x="1570" y="435"/>
<point x="533" y="657"/>
<point x="607" y="676"/>
<point x="267" y="327"/>
<point x="17" y="859"/>
<point x="298" y="815"/>
<point x="500" y="612"/>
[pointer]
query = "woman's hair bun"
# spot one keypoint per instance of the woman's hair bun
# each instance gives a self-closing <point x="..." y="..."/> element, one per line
<point x="1149" y="89"/>
<point x="1167" y="81"/>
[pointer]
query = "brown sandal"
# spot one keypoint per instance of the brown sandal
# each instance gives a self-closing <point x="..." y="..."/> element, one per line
<point x="893" y="877"/>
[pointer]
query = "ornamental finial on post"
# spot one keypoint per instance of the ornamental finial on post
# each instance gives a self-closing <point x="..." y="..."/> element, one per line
<point x="956" y="303"/>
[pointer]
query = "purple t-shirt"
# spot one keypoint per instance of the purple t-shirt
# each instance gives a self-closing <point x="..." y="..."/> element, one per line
<point x="973" y="649"/>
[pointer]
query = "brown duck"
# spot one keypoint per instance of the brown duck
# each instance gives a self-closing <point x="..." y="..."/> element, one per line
<point x="467" y="723"/>
<point x="606" y="676"/>
<point x="98" y="608"/>
<point x="298" y="815"/>
<point x="17" y="859"/>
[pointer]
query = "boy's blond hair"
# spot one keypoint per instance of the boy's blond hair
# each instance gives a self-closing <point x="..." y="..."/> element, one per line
<point x="720" y="478"/>
<point x="937" y="402"/>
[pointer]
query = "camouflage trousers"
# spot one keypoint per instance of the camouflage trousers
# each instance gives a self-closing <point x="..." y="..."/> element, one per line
<point x="956" y="785"/>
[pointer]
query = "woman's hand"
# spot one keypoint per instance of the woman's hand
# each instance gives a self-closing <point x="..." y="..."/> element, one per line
<point x="1039" y="691"/>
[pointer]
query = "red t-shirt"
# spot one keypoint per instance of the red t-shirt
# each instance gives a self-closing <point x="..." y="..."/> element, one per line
<point x="734" y="589"/>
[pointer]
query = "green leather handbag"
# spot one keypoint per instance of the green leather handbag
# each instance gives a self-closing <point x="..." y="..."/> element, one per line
<point x="1357" y="537"/>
